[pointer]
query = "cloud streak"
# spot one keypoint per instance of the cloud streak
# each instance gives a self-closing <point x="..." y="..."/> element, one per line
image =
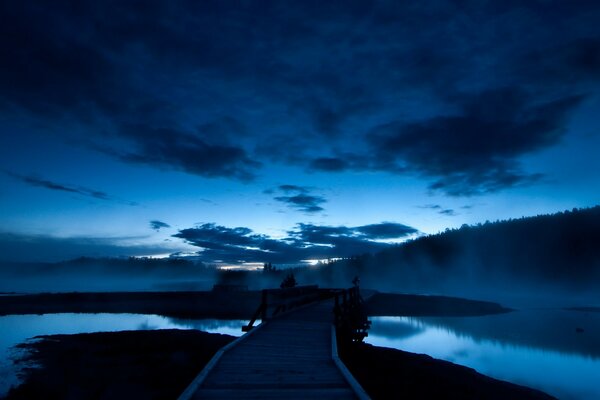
<point x="443" y="211"/>
<point x="79" y="190"/>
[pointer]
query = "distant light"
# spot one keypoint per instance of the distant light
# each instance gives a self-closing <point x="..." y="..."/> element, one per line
<point x="164" y="255"/>
<point x="313" y="262"/>
<point x="249" y="266"/>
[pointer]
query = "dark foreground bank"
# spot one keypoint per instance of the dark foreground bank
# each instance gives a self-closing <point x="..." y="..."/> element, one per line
<point x="389" y="373"/>
<point x="116" y="365"/>
<point x="160" y="364"/>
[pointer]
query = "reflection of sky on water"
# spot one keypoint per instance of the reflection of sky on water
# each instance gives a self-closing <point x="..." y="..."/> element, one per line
<point x="567" y="375"/>
<point x="15" y="329"/>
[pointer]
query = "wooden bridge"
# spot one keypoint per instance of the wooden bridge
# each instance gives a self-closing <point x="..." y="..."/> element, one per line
<point x="292" y="354"/>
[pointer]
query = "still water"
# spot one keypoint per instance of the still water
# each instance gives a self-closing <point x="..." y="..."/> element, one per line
<point x="557" y="351"/>
<point x="15" y="329"/>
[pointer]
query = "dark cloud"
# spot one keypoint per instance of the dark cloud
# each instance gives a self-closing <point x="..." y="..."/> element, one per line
<point x="386" y="230"/>
<point x="158" y="225"/>
<point x="455" y="93"/>
<point x="299" y="198"/>
<point x="171" y="148"/>
<point x="476" y="150"/>
<point x="306" y="241"/>
<point x="80" y="190"/>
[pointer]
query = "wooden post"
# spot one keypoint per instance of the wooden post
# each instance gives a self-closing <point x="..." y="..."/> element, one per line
<point x="263" y="314"/>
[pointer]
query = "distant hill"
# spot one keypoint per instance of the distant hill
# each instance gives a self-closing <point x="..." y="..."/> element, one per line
<point x="558" y="251"/>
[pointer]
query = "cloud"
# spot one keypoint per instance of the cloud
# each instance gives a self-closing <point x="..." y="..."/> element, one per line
<point x="476" y="150"/>
<point x="299" y="198"/>
<point x="80" y="190"/>
<point x="448" y="212"/>
<point x="386" y="230"/>
<point x="172" y="148"/>
<point x="221" y="92"/>
<point x="431" y="206"/>
<point x="305" y="241"/>
<point x="17" y="247"/>
<point x="443" y="211"/>
<point x="158" y="225"/>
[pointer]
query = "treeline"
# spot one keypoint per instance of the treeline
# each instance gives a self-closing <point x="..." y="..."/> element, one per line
<point x="555" y="251"/>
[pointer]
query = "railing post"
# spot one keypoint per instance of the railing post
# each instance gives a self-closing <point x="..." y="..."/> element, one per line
<point x="263" y="314"/>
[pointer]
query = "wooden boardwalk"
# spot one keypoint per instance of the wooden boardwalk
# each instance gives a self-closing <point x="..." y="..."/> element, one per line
<point x="289" y="357"/>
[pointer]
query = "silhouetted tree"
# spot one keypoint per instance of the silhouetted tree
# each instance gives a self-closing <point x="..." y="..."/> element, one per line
<point x="289" y="281"/>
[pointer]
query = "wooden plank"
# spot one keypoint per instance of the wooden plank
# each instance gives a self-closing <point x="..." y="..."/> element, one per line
<point x="288" y="394"/>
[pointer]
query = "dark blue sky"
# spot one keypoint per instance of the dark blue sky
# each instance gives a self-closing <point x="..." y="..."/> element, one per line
<point x="282" y="131"/>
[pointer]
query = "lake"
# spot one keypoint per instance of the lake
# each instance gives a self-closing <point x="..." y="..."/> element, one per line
<point x="554" y="350"/>
<point x="15" y="329"/>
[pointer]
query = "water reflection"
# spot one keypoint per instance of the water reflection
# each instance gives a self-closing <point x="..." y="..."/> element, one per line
<point x="15" y="329"/>
<point x="536" y="348"/>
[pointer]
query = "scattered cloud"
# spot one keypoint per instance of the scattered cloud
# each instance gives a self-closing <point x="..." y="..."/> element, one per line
<point x="299" y="198"/>
<point x="305" y="241"/>
<point x="158" y="225"/>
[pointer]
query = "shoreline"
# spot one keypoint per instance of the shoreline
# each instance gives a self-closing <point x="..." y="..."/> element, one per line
<point x="208" y="304"/>
<point x="227" y="305"/>
<point x="159" y="353"/>
<point x="160" y="364"/>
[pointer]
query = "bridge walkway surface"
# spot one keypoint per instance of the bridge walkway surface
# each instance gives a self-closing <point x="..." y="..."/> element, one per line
<point x="293" y="356"/>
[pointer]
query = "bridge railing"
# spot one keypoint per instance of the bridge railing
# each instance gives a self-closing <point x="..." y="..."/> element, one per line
<point x="350" y="317"/>
<point x="277" y="301"/>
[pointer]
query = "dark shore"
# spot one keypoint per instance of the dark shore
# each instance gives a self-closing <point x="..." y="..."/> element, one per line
<point x="393" y="304"/>
<point x="389" y="373"/>
<point x="116" y="365"/>
<point x="160" y="364"/>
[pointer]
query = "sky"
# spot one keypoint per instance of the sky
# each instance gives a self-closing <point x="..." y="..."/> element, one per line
<point x="257" y="131"/>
